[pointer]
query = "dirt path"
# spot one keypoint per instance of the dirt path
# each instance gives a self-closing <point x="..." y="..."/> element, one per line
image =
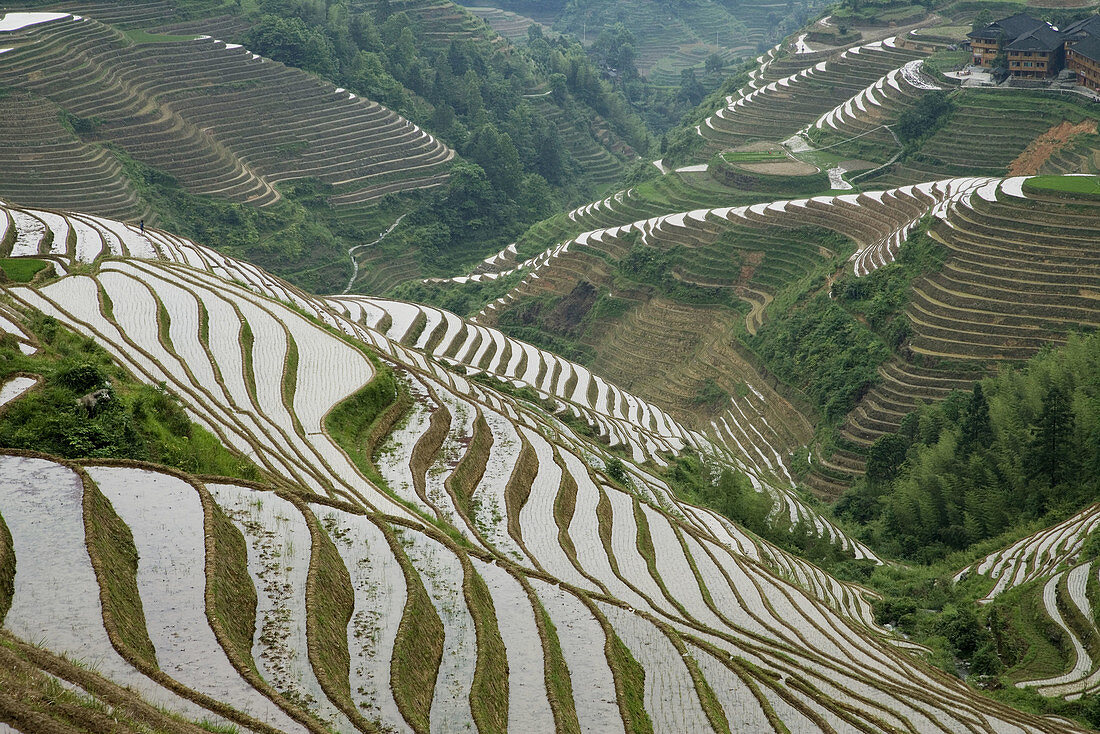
<point x="1043" y="147"/>
<point x="351" y="252"/>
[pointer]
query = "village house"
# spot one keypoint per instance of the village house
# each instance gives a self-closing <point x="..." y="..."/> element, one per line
<point x="986" y="43"/>
<point x="1037" y="53"/>
<point x="1083" y="58"/>
<point x="1033" y="49"/>
<point x="1082" y="41"/>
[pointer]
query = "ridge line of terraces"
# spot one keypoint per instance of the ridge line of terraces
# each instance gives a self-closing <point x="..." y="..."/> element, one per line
<point x="908" y="74"/>
<point x="878" y="247"/>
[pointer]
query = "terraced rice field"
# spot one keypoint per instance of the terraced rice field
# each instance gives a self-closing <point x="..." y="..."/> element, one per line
<point x="753" y="250"/>
<point x="1048" y="560"/>
<point x="987" y="131"/>
<point x="857" y="126"/>
<point x="512" y="26"/>
<point x="572" y="601"/>
<point x="776" y="110"/>
<point x="1035" y="556"/>
<point x="1019" y="274"/>
<point x="221" y="120"/>
<point x="1067" y="590"/>
<point x="977" y="310"/>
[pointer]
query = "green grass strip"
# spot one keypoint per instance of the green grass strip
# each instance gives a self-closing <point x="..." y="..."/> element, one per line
<point x="32" y="678"/>
<point x="111" y="545"/>
<point x="565" y="505"/>
<point x="417" y="649"/>
<point x="247" y="343"/>
<point x="711" y="706"/>
<point x="518" y="488"/>
<point x="360" y="422"/>
<point x="22" y="269"/>
<point x="330" y="603"/>
<point x="630" y="680"/>
<point x="1087" y="187"/>
<point x="489" y="693"/>
<point x="164" y="322"/>
<point x="290" y="381"/>
<point x="231" y="603"/>
<point x="233" y="595"/>
<point x="559" y="686"/>
<point x="416" y="328"/>
<point x="464" y="479"/>
<point x="7" y="569"/>
<point x="426" y="449"/>
<point x="106" y="305"/>
<point x="644" y="543"/>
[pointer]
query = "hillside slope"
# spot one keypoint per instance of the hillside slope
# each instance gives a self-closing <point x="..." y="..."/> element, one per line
<point x="221" y="120"/>
<point x="638" y="609"/>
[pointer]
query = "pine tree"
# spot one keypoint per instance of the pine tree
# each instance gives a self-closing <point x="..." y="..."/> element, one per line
<point x="1051" y="439"/>
<point x="976" y="430"/>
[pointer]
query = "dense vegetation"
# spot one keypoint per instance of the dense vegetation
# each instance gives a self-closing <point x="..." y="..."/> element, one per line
<point x="879" y="299"/>
<point x="699" y="480"/>
<point x="1022" y="445"/>
<point x="929" y="114"/>
<point x="297" y="236"/>
<point x="824" y="352"/>
<point x="479" y="98"/>
<point x="133" y="421"/>
<point x="984" y="641"/>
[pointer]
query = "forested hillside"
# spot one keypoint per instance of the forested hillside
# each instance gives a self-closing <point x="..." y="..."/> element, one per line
<point x="533" y="132"/>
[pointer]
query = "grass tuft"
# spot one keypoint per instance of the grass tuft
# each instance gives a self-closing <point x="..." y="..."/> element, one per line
<point x="489" y="694"/>
<point x="111" y="542"/>
<point x="417" y="649"/>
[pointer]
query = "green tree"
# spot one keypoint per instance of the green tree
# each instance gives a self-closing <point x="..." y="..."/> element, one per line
<point x="886" y="457"/>
<point x="292" y="42"/>
<point x="1051" y="457"/>
<point x="976" y="431"/>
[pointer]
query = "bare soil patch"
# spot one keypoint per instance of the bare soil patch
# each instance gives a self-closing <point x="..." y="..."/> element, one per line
<point x="1046" y="145"/>
<point x="789" y="167"/>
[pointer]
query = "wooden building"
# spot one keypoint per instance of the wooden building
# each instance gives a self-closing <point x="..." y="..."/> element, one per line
<point x="987" y="43"/>
<point x="1037" y="53"/>
<point x="1083" y="58"/>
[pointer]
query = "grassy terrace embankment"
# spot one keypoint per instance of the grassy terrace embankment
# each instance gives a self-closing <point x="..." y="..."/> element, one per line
<point x="990" y="128"/>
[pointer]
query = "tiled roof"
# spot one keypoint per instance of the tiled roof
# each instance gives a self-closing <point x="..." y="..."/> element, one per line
<point x="1089" y="48"/>
<point x="1009" y="28"/>
<point x="1040" y="39"/>
<point x="1090" y="26"/>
